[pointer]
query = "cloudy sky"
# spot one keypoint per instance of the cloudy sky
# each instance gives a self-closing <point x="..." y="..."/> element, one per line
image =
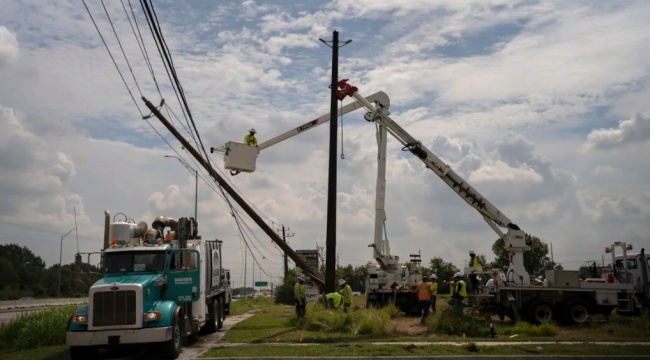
<point x="542" y="106"/>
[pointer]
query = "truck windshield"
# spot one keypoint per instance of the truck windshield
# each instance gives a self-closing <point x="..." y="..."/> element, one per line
<point x="136" y="261"/>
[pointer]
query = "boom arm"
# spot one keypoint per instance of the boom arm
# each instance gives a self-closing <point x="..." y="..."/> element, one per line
<point x="514" y="237"/>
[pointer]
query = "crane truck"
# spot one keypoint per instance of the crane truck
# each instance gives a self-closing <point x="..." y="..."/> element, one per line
<point x="156" y="288"/>
<point x="562" y="297"/>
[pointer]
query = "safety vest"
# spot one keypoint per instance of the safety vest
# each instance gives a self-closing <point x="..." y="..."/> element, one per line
<point x="299" y="292"/>
<point x="475" y="262"/>
<point x="336" y="297"/>
<point x="424" y="291"/>
<point x="434" y="288"/>
<point x="461" y="288"/>
<point x="347" y="294"/>
<point x="250" y="139"/>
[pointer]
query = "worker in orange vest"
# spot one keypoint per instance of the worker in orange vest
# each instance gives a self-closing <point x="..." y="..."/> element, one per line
<point x="424" y="297"/>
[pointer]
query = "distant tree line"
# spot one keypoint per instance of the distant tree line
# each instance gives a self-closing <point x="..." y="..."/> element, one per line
<point x="25" y="275"/>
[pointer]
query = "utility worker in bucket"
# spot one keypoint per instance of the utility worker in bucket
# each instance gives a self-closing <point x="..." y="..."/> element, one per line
<point x="300" y="297"/>
<point x="424" y="297"/>
<point x="250" y="138"/>
<point x="346" y="292"/>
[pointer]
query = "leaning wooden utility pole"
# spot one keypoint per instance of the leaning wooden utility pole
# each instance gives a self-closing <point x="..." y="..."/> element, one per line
<point x="300" y="262"/>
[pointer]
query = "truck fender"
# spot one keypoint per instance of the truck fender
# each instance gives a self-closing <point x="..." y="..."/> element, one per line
<point x="169" y="311"/>
<point x="80" y="310"/>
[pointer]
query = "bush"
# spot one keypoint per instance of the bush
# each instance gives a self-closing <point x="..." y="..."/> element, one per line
<point x="284" y="294"/>
<point x="42" y="328"/>
<point x="391" y="311"/>
<point x="452" y="321"/>
<point x="365" y="322"/>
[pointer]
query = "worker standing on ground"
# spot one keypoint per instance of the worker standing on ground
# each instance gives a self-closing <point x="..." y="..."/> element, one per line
<point x="434" y="292"/>
<point x="250" y="138"/>
<point x="300" y="297"/>
<point x="460" y="291"/>
<point x="346" y="292"/>
<point x="424" y="297"/>
<point x="473" y="278"/>
<point x="333" y="300"/>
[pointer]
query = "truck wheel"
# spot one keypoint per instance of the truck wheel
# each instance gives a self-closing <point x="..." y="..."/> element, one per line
<point x="172" y="347"/>
<point x="211" y="326"/>
<point x="540" y="312"/>
<point x="576" y="311"/>
<point x="83" y="352"/>
<point x="220" y="313"/>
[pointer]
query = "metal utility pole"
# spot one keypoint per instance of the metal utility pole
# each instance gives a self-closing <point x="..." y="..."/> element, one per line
<point x="300" y="262"/>
<point x="330" y="235"/>
<point x="285" y="235"/>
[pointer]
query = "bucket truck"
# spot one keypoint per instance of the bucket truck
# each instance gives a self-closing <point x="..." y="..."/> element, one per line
<point x="388" y="281"/>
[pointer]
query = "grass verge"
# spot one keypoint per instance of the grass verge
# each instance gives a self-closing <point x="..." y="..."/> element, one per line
<point x="367" y="350"/>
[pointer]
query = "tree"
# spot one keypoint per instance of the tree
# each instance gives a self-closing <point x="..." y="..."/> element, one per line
<point x="444" y="271"/>
<point x="28" y="268"/>
<point x="536" y="260"/>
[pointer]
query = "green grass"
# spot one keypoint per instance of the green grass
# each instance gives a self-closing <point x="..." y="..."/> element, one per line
<point x="366" y="350"/>
<point x="328" y="333"/>
<point x="245" y="305"/>
<point x="36" y="329"/>
<point x="58" y="352"/>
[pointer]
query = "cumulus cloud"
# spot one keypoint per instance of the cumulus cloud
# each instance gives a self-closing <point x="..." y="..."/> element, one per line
<point x="34" y="178"/>
<point x="8" y="46"/>
<point x="628" y="132"/>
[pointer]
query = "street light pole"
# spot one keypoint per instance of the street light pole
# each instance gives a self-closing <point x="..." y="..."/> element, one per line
<point x="196" y="182"/>
<point x="58" y="294"/>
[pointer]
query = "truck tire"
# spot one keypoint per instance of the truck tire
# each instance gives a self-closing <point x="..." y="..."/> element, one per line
<point x="211" y="326"/>
<point x="172" y="348"/>
<point x="540" y="312"/>
<point x="220" y="313"/>
<point x="576" y="311"/>
<point x="83" y="352"/>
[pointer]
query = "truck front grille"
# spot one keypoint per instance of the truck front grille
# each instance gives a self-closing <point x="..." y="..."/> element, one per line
<point x="112" y="308"/>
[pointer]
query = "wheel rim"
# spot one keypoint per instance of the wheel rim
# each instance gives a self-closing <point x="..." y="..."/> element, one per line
<point x="177" y="336"/>
<point x="543" y="314"/>
<point x="579" y="314"/>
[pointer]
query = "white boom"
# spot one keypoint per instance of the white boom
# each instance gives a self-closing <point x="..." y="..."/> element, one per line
<point x="241" y="157"/>
<point x="514" y="238"/>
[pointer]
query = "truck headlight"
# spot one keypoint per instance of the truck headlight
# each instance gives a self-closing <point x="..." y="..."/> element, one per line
<point x="80" y="319"/>
<point x="152" y="316"/>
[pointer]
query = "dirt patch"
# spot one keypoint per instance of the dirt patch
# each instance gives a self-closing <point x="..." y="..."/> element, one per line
<point x="403" y="325"/>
